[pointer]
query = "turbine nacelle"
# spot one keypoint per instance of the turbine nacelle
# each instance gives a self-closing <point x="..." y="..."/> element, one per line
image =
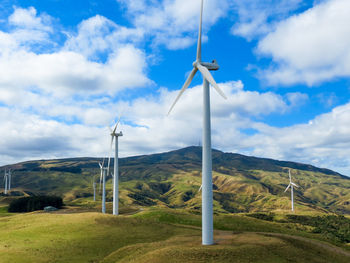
<point x="209" y="65"/>
<point x="115" y="134"/>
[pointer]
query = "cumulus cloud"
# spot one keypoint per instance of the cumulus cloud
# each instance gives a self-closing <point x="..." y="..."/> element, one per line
<point x="173" y="23"/>
<point x="70" y="69"/>
<point x="145" y="124"/>
<point x="258" y="17"/>
<point x="99" y="35"/>
<point x="66" y="73"/>
<point x="311" y="47"/>
<point x="30" y="30"/>
<point x="323" y="141"/>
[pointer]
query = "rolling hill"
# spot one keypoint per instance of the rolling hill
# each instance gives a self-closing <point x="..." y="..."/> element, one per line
<point x="172" y="179"/>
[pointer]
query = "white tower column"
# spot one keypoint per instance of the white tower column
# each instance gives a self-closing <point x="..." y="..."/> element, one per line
<point x="9" y="182"/>
<point x="104" y="191"/>
<point x="207" y="183"/>
<point x="116" y="180"/>
<point x="6" y="184"/>
<point x="94" y="186"/>
<point x="291" y="188"/>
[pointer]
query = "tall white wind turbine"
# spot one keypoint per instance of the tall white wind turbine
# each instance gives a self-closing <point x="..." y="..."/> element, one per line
<point x="94" y="187"/>
<point x="5" y="181"/>
<point x="9" y="174"/>
<point x="115" y="135"/>
<point x="103" y="179"/>
<point x="207" y="185"/>
<point x="291" y="185"/>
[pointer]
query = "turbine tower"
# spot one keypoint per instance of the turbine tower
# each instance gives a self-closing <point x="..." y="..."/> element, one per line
<point x="115" y="135"/>
<point x="94" y="187"/>
<point x="6" y="182"/>
<point x="207" y="185"/>
<point x="9" y="174"/>
<point x="103" y="179"/>
<point x="291" y="185"/>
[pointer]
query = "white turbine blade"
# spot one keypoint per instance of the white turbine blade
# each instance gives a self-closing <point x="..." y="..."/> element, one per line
<point x="290" y="177"/>
<point x="185" y="86"/>
<point x="100" y="165"/>
<point x="109" y="157"/>
<point x="200" y="188"/>
<point x="287" y="188"/>
<point x="206" y="74"/>
<point x="294" y="184"/>
<point x="199" y="43"/>
<point x="116" y="125"/>
<point x="100" y="186"/>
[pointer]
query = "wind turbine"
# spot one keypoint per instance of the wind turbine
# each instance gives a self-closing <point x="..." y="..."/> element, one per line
<point x="291" y="185"/>
<point x="9" y="179"/>
<point x="6" y="182"/>
<point x="94" y="187"/>
<point x="103" y="179"/>
<point x="115" y="135"/>
<point x="207" y="185"/>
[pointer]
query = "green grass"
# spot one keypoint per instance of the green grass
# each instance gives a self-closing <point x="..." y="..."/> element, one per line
<point x="80" y="237"/>
<point x="154" y="235"/>
<point x="3" y="211"/>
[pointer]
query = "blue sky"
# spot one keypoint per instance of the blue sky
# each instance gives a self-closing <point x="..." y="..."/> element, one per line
<point x="69" y="68"/>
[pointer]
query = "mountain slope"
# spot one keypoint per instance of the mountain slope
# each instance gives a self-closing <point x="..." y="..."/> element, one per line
<point x="241" y="183"/>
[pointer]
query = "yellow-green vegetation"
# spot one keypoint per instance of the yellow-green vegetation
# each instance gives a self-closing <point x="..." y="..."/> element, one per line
<point x="241" y="183"/>
<point x="156" y="235"/>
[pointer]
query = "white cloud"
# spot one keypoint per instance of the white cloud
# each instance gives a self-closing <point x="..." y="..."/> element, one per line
<point x="145" y="124"/>
<point x="174" y="23"/>
<point x="68" y="70"/>
<point x="99" y="35"/>
<point x="324" y="141"/>
<point x="66" y="73"/>
<point x="258" y="17"/>
<point x="311" y="47"/>
<point x="29" y="28"/>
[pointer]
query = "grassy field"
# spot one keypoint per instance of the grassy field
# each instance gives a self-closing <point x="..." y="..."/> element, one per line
<point x="156" y="235"/>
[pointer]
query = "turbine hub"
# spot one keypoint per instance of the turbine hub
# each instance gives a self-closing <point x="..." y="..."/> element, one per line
<point x="209" y="65"/>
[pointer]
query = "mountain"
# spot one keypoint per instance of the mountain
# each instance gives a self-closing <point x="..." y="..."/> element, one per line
<point x="172" y="179"/>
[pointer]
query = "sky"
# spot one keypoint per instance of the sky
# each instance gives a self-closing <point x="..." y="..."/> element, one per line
<point x="69" y="69"/>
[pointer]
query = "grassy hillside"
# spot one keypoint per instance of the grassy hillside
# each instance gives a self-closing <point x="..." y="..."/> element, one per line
<point x="157" y="235"/>
<point x="172" y="179"/>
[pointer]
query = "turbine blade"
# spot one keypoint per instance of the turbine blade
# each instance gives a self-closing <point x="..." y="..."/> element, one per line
<point x="109" y="157"/>
<point x="116" y="125"/>
<point x="185" y="86"/>
<point x="199" y="43"/>
<point x="100" y="186"/>
<point x="294" y="184"/>
<point x="287" y="188"/>
<point x="206" y="74"/>
<point x="290" y="177"/>
<point x="100" y="165"/>
<point x="200" y="188"/>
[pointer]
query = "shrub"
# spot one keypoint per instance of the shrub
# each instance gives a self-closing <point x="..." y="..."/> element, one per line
<point x="33" y="203"/>
<point x="262" y="216"/>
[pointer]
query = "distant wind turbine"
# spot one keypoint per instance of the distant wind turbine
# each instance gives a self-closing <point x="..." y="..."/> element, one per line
<point x="94" y="187"/>
<point x="6" y="182"/>
<point x="115" y="135"/>
<point x="9" y="172"/>
<point x="207" y="185"/>
<point x="103" y="179"/>
<point x="291" y="185"/>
